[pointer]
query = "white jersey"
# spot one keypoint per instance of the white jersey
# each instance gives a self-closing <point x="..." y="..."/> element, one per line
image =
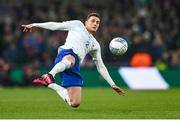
<point x="81" y="41"/>
<point x="78" y="38"/>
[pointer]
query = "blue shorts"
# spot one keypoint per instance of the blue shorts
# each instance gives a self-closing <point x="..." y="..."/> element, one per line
<point x="70" y="77"/>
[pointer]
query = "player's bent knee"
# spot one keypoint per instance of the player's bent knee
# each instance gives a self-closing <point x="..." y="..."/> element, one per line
<point x="75" y="103"/>
<point x="66" y="63"/>
<point x="69" y="61"/>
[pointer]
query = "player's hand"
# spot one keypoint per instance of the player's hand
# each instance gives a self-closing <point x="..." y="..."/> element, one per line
<point x="118" y="90"/>
<point x="27" y="28"/>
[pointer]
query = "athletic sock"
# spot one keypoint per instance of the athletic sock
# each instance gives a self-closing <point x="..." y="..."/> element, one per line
<point x="62" y="92"/>
<point x="59" y="67"/>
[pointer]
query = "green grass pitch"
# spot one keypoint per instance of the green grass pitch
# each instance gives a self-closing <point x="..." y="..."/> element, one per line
<point x="96" y="103"/>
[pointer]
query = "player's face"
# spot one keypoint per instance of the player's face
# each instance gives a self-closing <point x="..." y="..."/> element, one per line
<point x="92" y="24"/>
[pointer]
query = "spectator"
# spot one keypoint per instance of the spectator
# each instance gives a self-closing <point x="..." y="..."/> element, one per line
<point x="5" y="69"/>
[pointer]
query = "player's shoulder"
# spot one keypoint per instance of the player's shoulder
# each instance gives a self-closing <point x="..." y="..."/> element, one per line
<point x="76" y="22"/>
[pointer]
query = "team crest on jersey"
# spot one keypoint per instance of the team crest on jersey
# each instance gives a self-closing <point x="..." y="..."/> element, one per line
<point x="87" y="44"/>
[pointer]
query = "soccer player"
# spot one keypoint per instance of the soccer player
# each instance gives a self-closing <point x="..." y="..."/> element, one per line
<point x="79" y="42"/>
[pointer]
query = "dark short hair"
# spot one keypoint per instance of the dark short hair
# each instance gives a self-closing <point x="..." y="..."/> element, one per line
<point x="93" y="14"/>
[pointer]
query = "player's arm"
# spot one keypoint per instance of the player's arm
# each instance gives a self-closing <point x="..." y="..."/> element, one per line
<point x="65" y="26"/>
<point x="104" y="72"/>
<point x="46" y="25"/>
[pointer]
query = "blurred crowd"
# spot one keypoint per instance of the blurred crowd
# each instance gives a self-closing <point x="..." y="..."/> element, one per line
<point x="151" y="27"/>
